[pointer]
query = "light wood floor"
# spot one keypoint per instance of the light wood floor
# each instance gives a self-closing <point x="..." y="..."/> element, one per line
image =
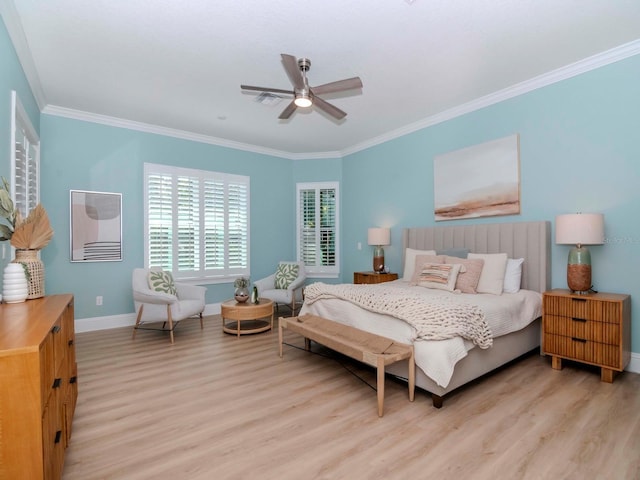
<point x="217" y="407"/>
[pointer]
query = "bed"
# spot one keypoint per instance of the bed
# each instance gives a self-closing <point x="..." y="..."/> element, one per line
<point x="467" y="361"/>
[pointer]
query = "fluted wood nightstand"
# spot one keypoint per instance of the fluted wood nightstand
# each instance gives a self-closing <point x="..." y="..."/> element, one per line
<point x="593" y="328"/>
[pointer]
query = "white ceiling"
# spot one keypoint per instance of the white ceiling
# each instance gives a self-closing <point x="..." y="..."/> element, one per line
<point x="178" y="64"/>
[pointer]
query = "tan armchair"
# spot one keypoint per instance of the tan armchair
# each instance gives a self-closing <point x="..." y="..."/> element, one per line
<point x="271" y="286"/>
<point x="153" y="306"/>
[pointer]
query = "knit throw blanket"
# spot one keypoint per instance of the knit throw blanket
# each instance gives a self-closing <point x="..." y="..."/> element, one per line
<point x="433" y="320"/>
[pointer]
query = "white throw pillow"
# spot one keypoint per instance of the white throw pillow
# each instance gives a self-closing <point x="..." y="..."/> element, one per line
<point x="493" y="270"/>
<point x="410" y="261"/>
<point x="513" y="275"/>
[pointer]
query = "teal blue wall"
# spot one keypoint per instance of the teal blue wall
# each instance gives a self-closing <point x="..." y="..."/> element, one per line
<point x="579" y="151"/>
<point x="79" y="155"/>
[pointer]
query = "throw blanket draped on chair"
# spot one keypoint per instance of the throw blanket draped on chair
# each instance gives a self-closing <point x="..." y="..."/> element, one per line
<point x="432" y="320"/>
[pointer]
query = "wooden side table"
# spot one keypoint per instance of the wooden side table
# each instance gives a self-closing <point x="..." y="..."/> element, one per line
<point x="373" y="277"/>
<point x="593" y="328"/>
<point x="247" y="317"/>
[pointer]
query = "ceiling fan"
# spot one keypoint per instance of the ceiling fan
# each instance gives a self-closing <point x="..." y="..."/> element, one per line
<point x="305" y="96"/>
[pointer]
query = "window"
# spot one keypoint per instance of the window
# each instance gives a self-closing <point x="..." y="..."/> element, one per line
<point x="317" y="227"/>
<point x="25" y="159"/>
<point x="196" y="223"/>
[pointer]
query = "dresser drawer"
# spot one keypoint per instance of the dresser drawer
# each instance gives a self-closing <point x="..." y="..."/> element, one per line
<point x="585" y="329"/>
<point x="583" y="350"/>
<point x="584" y="308"/>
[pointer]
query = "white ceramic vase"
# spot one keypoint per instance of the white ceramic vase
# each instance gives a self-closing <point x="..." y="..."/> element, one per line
<point x="15" y="287"/>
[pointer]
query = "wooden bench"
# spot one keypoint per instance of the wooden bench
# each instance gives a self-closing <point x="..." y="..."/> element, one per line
<point x="374" y="350"/>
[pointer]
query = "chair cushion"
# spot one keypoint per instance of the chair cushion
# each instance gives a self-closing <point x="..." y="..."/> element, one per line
<point x="160" y="281"/>
<point x="285" y="275"/>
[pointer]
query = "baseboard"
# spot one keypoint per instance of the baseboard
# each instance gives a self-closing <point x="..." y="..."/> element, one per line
<point x="634" y="363"/>
<point x="125" y="320"/>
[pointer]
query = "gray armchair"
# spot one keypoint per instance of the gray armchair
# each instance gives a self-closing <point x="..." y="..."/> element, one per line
<point x="154" y="307"/>
<point x="292" y="294"/>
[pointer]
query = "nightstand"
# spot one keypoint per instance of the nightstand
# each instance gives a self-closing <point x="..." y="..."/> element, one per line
<point x="593" y="328"/>
<point x="373" y="277"/>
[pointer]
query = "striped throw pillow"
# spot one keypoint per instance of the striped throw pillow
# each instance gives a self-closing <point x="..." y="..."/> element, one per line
<point x="442" y="276"/>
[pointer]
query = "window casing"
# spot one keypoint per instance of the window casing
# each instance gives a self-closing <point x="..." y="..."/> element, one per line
<point x="317" y="212"/>
<point x="25" y="159"/>
<point x="196" y="223"/>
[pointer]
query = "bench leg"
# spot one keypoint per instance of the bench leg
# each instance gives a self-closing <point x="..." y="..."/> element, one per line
<point x="307" y="344"/>
<point x="380" y="386"/>
<point x="412" y="376"/>
<point x="280" y="337"/>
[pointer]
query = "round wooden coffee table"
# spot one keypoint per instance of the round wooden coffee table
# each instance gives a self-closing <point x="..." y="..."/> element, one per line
<point x="246" y="317"/>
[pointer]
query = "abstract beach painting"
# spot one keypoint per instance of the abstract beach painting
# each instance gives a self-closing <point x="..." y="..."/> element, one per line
<point x="478" y="181"/>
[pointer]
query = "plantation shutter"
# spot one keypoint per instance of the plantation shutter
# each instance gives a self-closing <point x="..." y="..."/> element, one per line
<point x="197" y="222"/>
<point x="317" y="205"/>
<point x="160" y="221"/>
<point x="238" y="225"/>
<point x="25" y="160"/>
<point x="328" y="226"/>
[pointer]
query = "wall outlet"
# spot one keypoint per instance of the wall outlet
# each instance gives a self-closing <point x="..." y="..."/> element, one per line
<point x="99" y="300"/>
<point x="359" y="245"/>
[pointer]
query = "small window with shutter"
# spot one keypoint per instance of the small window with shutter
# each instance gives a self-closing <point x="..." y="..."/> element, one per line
<point x="317" y="228"/>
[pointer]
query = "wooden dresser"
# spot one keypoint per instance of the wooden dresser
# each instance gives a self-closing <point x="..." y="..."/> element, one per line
<point x="373" y="277"/>
<point x="38" y="386"/>
<point x="593" y="328"/>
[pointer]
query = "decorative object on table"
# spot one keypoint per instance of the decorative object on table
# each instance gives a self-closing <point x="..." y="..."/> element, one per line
<point x="478" y="181"/>
<point x="96" y="226"/>
<point x="15" y="287"/>
<point x="579" y="229"/>
<point x="378" y="237"/>
<point x="28" y="236"/>
<point x="254" y="295"/>
<point x="242" y="289"/>
<point x="35" y="269"/>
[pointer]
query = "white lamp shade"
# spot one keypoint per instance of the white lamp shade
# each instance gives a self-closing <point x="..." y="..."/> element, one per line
<point x="379" y="236"/>
<point x="580" y="229"/>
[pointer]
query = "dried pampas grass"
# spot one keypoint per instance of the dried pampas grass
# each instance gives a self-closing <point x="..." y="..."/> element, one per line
<point x="34" y="232"/>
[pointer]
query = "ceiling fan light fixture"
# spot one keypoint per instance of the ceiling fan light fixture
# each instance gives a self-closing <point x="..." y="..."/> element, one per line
<point x="303" y="101"/>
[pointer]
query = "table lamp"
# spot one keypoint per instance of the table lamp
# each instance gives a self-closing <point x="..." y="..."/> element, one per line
<point x="579" y="229"/>
<point x="378" y="237"/>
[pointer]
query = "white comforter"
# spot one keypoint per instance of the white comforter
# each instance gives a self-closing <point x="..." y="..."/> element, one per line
<point x="504" y="313"/>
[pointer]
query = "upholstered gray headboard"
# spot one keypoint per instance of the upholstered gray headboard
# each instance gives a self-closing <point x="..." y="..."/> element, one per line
<point x="528" y="240"/>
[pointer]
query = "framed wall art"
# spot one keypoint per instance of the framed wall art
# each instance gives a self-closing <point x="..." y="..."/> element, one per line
<point x="96" y="226"/>
<point x="478" y="181"/>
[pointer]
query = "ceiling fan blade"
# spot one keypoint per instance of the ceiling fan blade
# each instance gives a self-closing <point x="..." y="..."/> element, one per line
<point x="339" y="86"/>
<point x="288" y="111"/>
<point x="328" y="108"/>
<point x="266" y="89"/>
<point x="293" y="71"/>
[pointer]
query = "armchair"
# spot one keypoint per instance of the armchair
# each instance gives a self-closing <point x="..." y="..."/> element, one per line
<point x="155" y="306"/>
<point x="282" y="287"/>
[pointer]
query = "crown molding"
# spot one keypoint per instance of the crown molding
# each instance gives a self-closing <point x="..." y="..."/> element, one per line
<point x="181" y="134"/>
<point x="165" y="131"/>
<point x="16" y="33"/>
<point x="574" y="69"/>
